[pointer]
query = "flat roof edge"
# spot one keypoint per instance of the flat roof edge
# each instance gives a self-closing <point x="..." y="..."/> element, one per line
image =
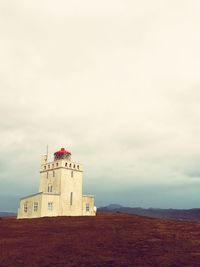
<point x="32" y="195"/>
<point x="40" y="193"/>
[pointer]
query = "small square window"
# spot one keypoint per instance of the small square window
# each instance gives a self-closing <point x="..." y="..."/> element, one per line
<point x="35" y="207"/>
<point x="50" y="205"/>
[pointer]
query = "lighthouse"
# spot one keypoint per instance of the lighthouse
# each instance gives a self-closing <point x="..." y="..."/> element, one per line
<point x="60" y="190"/>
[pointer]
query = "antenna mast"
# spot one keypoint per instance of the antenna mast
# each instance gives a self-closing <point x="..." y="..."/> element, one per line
<point x="47" y="150"/>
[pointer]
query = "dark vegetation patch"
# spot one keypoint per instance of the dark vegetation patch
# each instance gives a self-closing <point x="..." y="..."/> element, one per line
<point x="109" y="239"/>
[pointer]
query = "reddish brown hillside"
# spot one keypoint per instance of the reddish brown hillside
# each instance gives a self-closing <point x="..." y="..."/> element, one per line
<point x="110" y="239"/>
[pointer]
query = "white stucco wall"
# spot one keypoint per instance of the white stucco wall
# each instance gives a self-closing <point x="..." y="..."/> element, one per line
<point x="50" y="177"/>
<point x="30" y="200"/>
<point x="88" y="200"/>
<point x="50" y="198"/>
<point x="71" y="185"/>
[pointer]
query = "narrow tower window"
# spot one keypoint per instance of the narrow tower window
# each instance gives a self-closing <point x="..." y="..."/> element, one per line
<point x="25" y="207"/>
<point x="71" y="198"/>
<point x="50" y="188"/>
<point x="47" y="174"/>
<point x="72" y="174"/>
<point x="53" y="173"/>
<point x="87" y="207"/>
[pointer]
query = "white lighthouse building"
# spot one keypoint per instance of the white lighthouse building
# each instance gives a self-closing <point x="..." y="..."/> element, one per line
<point x="60" y="190"/>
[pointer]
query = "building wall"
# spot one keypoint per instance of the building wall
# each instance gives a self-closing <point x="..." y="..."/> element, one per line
<point x="50" y="174"/>
<point x="50" y="198"/>
<point x="43" y="208"/>
<point x="29" y="201"/>
<point x="71" y="192"/>
<point x="50" y="177"/>
<point x="58" y="174"/>
<point x="88" y="200"/>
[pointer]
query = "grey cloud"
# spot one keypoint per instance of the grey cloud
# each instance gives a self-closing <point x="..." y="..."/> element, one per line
<point x="115" y="82"/>
<point x="193" y="173"/>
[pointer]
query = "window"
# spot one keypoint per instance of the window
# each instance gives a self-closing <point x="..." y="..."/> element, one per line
<point x="47" y="174"/>
<point x="57" y="164"/>
<point x="66" y="164"/>
<point x="72" y="174"/>
<point x="50" y="205"/>
<point x="87" y="207"/>
<point x="35" y="207"/>
<point x="45" y="167"/>
<point x="52" y="165"/>
<point x="71" y="198"/>
<point x="78" y="167"/>
<point x="70" y="165"/>
<point x="26" y="207"/>
<point x="50" y="188"/>
<point x="49" y="166"/>
<point x="53" y="173"/>
<point x="74" y="166"/>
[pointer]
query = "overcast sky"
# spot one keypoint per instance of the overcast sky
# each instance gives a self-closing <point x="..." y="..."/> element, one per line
<point x="115" y="82"/>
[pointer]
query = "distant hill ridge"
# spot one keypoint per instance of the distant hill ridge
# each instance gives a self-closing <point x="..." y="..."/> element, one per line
<point x="7" y="213"/>
<point x="176" y="214"/>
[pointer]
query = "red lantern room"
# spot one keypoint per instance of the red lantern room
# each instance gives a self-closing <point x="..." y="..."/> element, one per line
<point x="62" y="154"/>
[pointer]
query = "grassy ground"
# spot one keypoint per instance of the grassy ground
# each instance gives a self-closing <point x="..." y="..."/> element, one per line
<point x="109" y="239"/>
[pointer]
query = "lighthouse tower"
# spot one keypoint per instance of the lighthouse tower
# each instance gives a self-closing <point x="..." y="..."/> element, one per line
<point x="60" y="190"/>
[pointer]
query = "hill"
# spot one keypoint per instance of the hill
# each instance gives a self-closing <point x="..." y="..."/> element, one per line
<point x="109" y="239"/>
<point x="7" y="213"/>
<point x="176" y="214"/>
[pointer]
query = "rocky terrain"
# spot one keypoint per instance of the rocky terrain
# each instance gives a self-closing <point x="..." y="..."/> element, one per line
<point x="109" y="239"/>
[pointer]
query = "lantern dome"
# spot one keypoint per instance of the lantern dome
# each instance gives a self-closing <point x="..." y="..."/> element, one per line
<point x="62" y="154"/>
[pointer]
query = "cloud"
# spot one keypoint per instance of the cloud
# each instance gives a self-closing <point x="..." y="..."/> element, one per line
<point x="116" y="83"/>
